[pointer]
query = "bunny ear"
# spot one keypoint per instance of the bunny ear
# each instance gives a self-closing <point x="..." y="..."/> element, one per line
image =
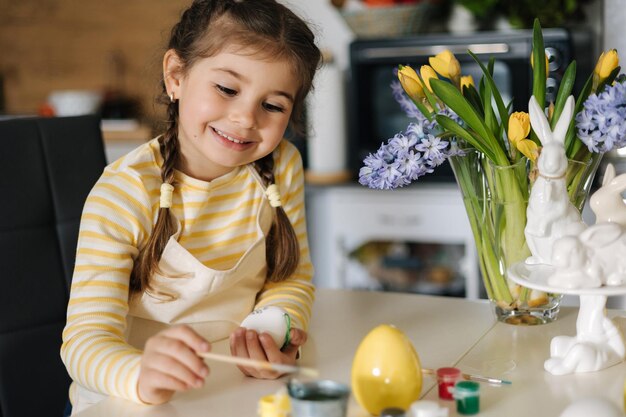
<point x="539" y="122"/>
<point x="609" y="174"/>
<point x="560" y="130"/>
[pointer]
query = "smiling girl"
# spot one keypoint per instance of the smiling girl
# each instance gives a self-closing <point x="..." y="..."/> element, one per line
<point x="185" y="236"/>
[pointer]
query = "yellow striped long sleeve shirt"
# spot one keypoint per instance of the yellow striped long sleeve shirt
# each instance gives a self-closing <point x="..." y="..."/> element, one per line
<point x="218" y="223"/>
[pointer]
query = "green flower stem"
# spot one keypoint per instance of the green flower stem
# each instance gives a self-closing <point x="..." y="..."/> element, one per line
<point x="580" y="176"/>
<point x="496" y="286"/>
<point x="509" y="199"/>
<point x="495" y="200"/>
<point x="514" y="200"/>
<point x="497" y="282"/>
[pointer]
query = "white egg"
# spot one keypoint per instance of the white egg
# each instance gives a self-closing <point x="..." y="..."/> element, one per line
<point x="272" y="320"/>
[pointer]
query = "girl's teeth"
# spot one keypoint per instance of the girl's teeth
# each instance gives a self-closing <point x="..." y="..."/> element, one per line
<point x="224" y="135"/>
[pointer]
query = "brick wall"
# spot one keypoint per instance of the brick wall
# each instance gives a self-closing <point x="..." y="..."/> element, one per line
<point x="90" y="44"/>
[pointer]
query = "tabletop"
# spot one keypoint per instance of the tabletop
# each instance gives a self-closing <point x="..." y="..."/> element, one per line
<point x="445" y="332"/>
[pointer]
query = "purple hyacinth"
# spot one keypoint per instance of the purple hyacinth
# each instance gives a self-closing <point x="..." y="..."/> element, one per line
<point x="410" y="154"/>
<point x="601" y="123"/>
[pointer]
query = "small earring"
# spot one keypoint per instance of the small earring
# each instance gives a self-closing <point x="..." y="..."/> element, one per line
<point x="172" y="98"/>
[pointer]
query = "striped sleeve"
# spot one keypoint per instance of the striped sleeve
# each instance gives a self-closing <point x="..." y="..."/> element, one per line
<point x="296" y="293"/>
<point x="116" y="217"/>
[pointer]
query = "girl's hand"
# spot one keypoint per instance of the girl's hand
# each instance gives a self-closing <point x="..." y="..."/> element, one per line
<point x="248" y="344"/>
<point x="170" y="363"/>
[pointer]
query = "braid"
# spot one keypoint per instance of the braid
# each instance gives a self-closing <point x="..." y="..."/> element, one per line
<point x="282" y="249"/>
<point x="168" y="144"/>
<point x="147" y="263"/>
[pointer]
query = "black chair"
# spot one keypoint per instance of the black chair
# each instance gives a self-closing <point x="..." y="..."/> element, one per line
<point x="47" y="167"/>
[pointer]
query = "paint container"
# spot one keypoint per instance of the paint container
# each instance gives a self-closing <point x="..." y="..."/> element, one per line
<point x="446" y="378"/>
<point x="466" y="394"/>
<point x="276" y="405"/>
<point x="324" y="398"/>
<point x="425" y="408"/>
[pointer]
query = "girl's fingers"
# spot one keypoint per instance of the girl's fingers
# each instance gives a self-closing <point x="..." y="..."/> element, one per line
<point x="187" y="335"/>
<point x="248" y="344"/>
<point x="238" y="347"/>
<point x="188" y="344"/>
<point x="263" y="347"/>
<point x="255" y="351"/>
<point x="159" y="378"/>
<point x="271" y="351"/>
<point x="236" y="338"/>
<point x="180" y="353"/>
<point x="170" y="363"/>
<point x="165" y="364"/>
<point x="165" y="381"/>
<point x="298" y="338"/>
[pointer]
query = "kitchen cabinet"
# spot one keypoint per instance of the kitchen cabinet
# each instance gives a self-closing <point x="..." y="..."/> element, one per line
<point x="402" y="232"/>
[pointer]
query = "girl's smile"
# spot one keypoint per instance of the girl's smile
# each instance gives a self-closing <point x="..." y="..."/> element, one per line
<point x="229" y="138"/>
<point x="231" y="142"/>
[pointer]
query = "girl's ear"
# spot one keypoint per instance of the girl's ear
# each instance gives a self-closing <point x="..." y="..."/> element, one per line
<point x="172" y="72"/>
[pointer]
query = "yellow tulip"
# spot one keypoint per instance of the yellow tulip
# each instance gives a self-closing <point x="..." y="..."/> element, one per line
<point x="607" y="62"/>
<point x="528" y="148"/>
<point x="532" y="64"/>
<point x="410" y="83"/>
<point x="519" y="127"/>
<point x="427" y="73"/>
<point x="467" y="81"/>
<point x="446" y="64"/>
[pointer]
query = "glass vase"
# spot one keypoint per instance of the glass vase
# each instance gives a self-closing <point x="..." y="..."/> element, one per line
<point x="495" y="199"/>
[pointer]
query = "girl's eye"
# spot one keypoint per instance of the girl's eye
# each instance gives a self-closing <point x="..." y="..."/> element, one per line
<point x="225" y="90"/>
<point x="272" y="108"/>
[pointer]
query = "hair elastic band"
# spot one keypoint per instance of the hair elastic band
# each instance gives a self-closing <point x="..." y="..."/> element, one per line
<point x="166" y="195"/>
<point x="273" y="195"/>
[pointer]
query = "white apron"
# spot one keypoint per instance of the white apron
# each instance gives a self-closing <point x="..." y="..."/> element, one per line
<point x="211" y="302"/>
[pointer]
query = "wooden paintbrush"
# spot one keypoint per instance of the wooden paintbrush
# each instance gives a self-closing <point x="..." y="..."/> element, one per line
<point x="287" y="369"/>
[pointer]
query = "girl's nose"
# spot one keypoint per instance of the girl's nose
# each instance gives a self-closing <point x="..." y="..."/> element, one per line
<point x="243" y="115"/>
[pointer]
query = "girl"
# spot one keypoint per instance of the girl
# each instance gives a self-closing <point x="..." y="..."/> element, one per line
<point x="186" y="235"/>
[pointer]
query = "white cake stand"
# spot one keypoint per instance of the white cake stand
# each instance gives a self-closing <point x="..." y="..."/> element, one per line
<point x="598" y="343"/>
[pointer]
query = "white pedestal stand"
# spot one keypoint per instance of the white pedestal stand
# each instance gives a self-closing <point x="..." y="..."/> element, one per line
<point x="598" y="343"/>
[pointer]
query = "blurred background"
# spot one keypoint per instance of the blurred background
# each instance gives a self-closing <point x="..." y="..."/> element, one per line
<point x="64" y="57"/>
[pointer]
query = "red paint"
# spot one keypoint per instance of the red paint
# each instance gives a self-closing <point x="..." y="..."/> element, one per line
<point x="446" y="378"/>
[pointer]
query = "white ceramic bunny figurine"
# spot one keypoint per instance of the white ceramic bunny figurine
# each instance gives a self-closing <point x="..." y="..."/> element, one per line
<point x="550" y="215"/>
<point x="608" y="203"/>
<point x="592" y="259"/>
<point x="598" y="343"/>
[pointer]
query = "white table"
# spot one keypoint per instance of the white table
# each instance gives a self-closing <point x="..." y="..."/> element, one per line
<point x="445" y="332"/>
<point x="534" y="391"/>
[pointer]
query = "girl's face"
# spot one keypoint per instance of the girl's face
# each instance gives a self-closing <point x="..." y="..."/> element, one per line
<point x="233" y="110"/>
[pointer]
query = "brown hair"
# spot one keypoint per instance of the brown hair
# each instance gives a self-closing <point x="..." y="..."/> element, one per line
<point x="206" y="28"/>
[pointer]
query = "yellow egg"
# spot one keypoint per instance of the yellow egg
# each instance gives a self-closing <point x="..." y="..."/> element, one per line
<point x="386" y="370"/>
